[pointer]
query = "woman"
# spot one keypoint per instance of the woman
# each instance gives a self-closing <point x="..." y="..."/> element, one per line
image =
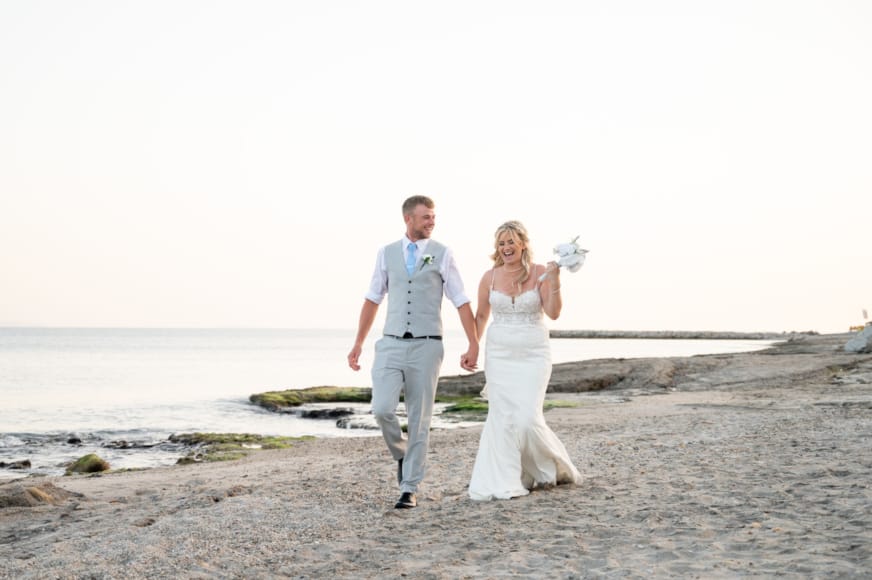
<point x="517" y="450"/>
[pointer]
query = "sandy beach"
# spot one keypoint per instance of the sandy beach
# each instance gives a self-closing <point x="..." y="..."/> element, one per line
<point x="715" y="466"/>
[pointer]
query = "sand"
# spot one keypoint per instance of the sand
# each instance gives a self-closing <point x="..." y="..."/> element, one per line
<point x="720" y="466"/>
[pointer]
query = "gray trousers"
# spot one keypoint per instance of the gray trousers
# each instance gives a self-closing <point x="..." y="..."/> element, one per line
<point x="410" y="367"/>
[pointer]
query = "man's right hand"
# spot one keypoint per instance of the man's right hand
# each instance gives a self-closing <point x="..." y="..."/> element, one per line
<point x="353" y="357"/>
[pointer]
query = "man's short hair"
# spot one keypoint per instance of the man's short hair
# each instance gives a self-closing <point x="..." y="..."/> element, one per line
<point x="410" y="204"/>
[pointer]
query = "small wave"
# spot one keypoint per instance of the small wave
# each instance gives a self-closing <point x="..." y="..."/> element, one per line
<point x="11" y="441"/>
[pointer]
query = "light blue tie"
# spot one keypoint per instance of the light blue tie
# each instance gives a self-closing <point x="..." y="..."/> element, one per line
<point x="410" y="258"/>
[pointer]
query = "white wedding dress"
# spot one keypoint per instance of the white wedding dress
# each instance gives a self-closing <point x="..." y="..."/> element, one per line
<point x="517" y="450"/>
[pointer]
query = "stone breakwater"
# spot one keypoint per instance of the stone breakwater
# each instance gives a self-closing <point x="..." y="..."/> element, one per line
<point x="678" y="334"/>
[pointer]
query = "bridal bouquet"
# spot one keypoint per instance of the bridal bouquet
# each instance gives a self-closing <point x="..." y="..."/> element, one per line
<point x="569" y="255"/>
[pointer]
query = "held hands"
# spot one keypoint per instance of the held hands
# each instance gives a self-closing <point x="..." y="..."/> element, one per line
<point x="469" y="359"/>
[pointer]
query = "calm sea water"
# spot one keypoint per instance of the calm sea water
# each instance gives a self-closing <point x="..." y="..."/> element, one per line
<point x="138" y="386"/>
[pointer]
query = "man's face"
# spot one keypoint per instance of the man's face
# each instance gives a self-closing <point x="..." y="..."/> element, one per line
<point x="420" y="224"/>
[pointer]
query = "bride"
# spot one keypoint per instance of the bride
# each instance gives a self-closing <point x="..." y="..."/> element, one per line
<point x="517" y="450"/>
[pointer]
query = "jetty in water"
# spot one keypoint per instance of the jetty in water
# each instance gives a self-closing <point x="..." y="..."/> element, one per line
<point x="677" y="334"/>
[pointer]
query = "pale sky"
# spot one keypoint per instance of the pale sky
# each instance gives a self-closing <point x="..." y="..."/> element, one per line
<point x="220" y="163"/>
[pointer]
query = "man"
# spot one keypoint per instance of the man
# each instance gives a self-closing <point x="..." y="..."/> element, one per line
<point x="414" y="273"/>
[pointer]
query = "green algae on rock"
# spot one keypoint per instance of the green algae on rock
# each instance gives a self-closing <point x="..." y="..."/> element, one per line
<point x="472" y="408"/>
<point x="559" y="404"/>
<point x="464" y="406"/>
<point x="277" y="400"/>
<point x="228" y="446"/>
<point x="90" y="463"/>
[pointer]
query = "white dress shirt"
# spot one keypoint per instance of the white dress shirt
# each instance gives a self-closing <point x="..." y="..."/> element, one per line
<point x="452" y="286"/>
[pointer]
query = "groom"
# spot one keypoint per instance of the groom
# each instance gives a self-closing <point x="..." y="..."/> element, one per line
<point x="414" y="273"/>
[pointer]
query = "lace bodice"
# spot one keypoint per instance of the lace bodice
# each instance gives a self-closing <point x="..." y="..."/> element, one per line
<point x="525" y="309"/>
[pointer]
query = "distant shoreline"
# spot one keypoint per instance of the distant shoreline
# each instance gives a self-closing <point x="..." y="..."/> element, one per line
<point x="677" y="334"/>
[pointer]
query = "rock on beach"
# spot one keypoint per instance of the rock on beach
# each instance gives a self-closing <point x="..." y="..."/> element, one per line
<point x="861" y="342"/>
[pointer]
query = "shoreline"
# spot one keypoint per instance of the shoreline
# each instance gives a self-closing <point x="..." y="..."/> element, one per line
<point x="746" y="464"/>
<point x="145" y="442"/>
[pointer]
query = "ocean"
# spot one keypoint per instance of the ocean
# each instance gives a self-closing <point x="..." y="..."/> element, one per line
<point x="122" y="392"/>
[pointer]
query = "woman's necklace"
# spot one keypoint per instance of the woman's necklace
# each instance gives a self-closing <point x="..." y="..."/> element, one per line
<point x="512" y="293"/>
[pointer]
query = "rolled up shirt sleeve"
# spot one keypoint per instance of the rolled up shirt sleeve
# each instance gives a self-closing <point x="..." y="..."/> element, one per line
<point x="378" y="285"/>
<point x="453" y="283"/>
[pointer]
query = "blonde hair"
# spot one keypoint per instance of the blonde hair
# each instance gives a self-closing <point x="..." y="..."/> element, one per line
<point x="518" y="233"/>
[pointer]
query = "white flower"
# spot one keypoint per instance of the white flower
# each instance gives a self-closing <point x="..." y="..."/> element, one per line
<point x="570" y="255"/>
<point x="427" y="259"/>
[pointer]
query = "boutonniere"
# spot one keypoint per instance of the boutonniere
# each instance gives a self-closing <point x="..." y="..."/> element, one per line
<point x="427" y="259"/>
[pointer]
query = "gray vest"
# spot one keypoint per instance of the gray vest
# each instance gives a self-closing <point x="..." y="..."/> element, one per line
<point x="414" y="302"/>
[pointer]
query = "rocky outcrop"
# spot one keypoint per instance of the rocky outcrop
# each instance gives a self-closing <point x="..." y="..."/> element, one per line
<point x="17" y="494"/>
<point x="578" y="377"/>
<point x="803" y="354"/>
<point x="331" y="413"/>
<point x="860" y="342"/>
<point x="357" y="422"/>
<point x="288" y="399"/>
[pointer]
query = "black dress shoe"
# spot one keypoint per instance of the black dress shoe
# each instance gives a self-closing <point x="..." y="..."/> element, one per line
<point x="407" y="500"/>
<point x="399" y="472"/>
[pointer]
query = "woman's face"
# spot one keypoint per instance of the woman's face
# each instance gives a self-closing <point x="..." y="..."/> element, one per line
<point x="510" y="249"/>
